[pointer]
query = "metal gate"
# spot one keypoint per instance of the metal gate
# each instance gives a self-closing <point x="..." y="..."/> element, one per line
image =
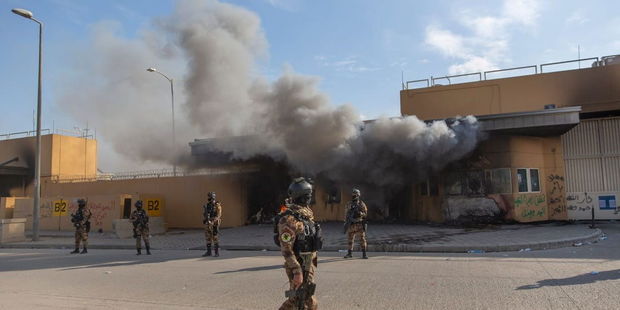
<point x="592" y="164"/>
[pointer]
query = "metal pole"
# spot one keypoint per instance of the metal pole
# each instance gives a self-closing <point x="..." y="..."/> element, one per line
<point x="37" y="166"/>
<point x="174" y="145"/>
<point x="174" y="165"/>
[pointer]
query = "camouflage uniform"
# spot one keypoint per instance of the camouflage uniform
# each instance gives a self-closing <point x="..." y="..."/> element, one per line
<point x="81" y="221"/>
<point x="212" y="218"/>
<point x="289" y="228"/>
<point x="141" y="229"/>
<point x="357" y="224"/>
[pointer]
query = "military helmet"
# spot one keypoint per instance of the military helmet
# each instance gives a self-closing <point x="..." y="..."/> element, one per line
<point x="81" y="202"/>
<point x="211" y="195"/>
<point x="299" y="188"/>
<point x="138" y="204"/>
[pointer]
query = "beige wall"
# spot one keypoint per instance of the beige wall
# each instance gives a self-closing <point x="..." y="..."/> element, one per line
<point x="104" y="209"/>
<point x="7" y="206"/>
<point x="72" y="156"/>
<point x="546" y="155"/>
<point x="24" y="148"/>
<point x="324" y="211"/>
<point x="61" y="156"/>
<point x="183" y="196"/>
<point x="512" y="152"/>
<point x="595" y="89"/>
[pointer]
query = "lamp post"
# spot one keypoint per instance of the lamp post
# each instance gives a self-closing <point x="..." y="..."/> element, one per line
<point x="174" y="165"/>
<point x="37" y="164"/>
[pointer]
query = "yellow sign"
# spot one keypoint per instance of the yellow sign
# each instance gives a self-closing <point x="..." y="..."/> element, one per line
<point x="60" y="208"/>
<point x="154" y="206"/>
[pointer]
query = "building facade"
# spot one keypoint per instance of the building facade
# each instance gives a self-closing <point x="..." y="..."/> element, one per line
<point x="551" y="154"/>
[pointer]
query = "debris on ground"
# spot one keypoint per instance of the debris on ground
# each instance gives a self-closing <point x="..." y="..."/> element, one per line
<point x="525" y="250"/>
<point x="578" y="244"/>
<point x="475" y="251"/>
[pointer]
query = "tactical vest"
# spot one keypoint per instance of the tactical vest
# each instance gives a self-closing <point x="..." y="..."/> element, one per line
<point x="78" y="217"/>
<point x="310" y="240"/>
<point x="210" y="210"/>
<point x="355" y="213"/>
<point x="142" y="219"/>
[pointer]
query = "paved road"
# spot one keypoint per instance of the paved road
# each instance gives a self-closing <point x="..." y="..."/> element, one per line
<point x="381" y="238"/>
<point x="117" y="279"/>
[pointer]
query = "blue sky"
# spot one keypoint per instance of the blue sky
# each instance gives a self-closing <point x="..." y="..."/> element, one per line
<point x="358" y="49"/>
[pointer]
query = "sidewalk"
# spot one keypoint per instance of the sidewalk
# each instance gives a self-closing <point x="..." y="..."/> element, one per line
<point x="381" y="238"/>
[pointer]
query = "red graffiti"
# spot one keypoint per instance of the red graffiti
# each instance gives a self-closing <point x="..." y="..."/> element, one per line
<point x="99" y="212"/>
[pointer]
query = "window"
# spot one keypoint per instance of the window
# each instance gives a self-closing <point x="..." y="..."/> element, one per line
<point x="454" y="184"/>
<point x="498" y="181"/>
<point x="429" y="187"/>
<point x="474" y="183"/>
<point x="534" y="182"/>
<point x="333" y="195"/>
<point x="528" y="180"/>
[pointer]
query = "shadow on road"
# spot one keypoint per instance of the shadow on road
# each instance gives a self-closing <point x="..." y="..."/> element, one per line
<point x="576" y="280"/>
<point x="272" y="267"/>
<point x="24" y="259"/>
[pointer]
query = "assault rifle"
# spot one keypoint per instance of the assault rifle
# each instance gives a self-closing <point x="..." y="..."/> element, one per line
<point x="140" y="220"/>
<point x="208" y="220"/>
<point x="352" y="214"/>
<point x="76" y="219"/>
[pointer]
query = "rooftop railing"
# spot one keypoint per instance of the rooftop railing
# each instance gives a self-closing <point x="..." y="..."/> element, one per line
<point x="485" y="75"/>
<point x="153" y="173"/>
<point x="32" y="133"/>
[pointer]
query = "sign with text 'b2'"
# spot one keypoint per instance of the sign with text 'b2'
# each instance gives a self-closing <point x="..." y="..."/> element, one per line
<point x="154" y="206"/>
<point x="60" y="207"/>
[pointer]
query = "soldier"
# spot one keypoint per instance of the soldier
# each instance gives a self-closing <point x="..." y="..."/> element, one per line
<point x="81" y="221"/>
<point x="355" y="222"/>
<point x="140" y="221"/>
<point x="212" y="217"/>
<point x="299" y="238"/>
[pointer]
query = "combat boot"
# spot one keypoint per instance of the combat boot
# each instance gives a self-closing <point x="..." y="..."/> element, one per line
<point x="208" y="252"/>
<point x="217" y="250"/>
<point x="148" y="250"/>
<point x="364" y="256"/>
<point x="76" y="251"/>
<point x="84" y="251"/>
<point x="139" y="251"/>
<point x="349" y="255"/>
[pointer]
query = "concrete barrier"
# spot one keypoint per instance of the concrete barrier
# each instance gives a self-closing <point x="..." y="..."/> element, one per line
<point x="12" y="230"/>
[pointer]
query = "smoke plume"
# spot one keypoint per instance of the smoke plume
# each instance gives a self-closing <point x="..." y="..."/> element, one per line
<point x="211" y="49"/>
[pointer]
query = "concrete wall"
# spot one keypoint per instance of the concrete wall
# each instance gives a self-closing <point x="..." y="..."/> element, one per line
<point x="512" y="152"/>
<point x="325" y="211"/>
<point x="72" y="156"/>
<point x="182" y="197"/>
<point x="595" y="89"/>
<point x="7" y="206"/>
<point x="56" y="211"/>
<point x="61" y="157"/>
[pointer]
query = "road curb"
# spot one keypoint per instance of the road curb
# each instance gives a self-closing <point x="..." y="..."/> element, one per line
<point x="543" y="245"/>
<point x="415" y="248"/>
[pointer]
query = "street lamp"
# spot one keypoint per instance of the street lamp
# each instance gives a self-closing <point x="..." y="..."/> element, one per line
<point x="174" y="165"/>
<point x="37" y="164"/>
